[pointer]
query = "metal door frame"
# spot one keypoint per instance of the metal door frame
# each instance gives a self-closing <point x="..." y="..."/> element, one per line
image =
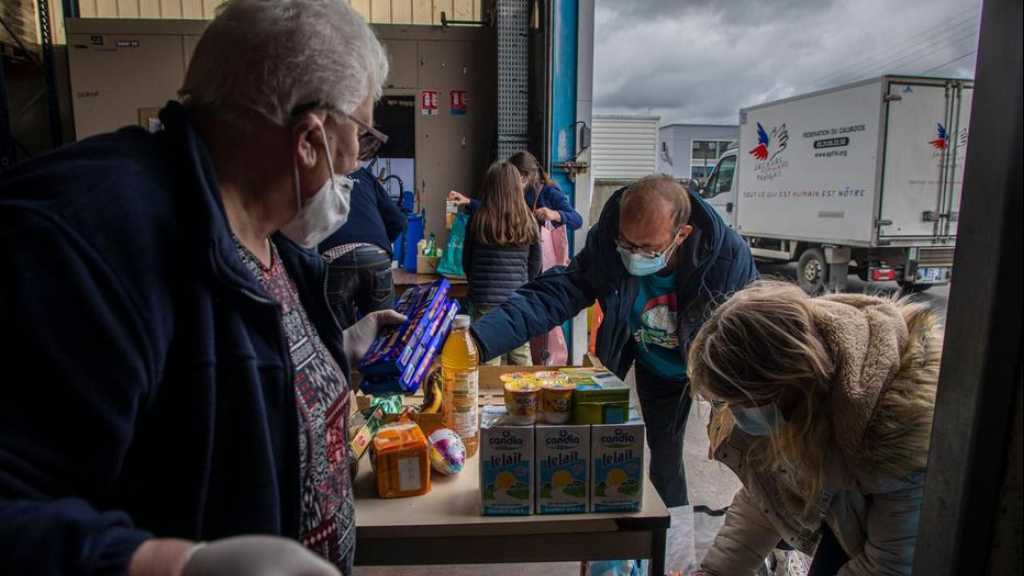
<point x="972" y="495"/>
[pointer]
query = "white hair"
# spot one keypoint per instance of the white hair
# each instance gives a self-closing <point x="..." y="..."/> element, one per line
<point x="272" y="56"/>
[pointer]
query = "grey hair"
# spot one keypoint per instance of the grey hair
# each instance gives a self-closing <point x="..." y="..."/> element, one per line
<point x="272" y="56"/>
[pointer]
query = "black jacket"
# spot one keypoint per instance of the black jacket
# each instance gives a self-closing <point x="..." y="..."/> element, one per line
<point x="716" y="263"/>
<point x="148" y="389"/>
<point x="373" y="218"/>
<point x="495" y="272"/>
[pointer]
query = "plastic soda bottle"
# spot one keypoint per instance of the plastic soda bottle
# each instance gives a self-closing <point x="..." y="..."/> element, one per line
<point x="461" y="384"/>
<point x="431" y="246"/>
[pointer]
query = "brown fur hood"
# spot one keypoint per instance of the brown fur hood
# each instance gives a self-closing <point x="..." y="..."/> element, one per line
<point x="887" y="356"/>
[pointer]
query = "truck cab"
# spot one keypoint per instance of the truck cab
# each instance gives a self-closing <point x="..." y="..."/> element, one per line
<point x="719" y="190"/>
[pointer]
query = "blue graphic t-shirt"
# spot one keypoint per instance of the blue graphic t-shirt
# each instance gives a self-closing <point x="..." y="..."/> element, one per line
<point x="655" y="328"/>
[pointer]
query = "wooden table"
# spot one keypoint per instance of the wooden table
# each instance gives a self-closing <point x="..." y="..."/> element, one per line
<point x="403" y="280"/>
<point x="445" y="527"/>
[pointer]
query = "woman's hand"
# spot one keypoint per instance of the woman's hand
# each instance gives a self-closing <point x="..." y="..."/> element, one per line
<point x="547" y="215"/>
<point x="458" y="198"/>
<point x="356" y="339"/>
<point x="256" y="556"/>
<point x="250" y="555"/>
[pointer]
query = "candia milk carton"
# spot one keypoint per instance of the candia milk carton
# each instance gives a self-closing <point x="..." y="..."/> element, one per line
<point x="507" y="465"/>
<point x="563" y="468"/>
<point x="617" y="467"/>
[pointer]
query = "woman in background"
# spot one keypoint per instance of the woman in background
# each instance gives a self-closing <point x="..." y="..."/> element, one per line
<point x="501" y="251"/>
<point x="547" y="202"/>
<point x="823" y="408"/>
<point x="359" y="255"/>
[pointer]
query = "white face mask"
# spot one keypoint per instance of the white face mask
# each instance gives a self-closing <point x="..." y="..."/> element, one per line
<point x="325" y="212"/>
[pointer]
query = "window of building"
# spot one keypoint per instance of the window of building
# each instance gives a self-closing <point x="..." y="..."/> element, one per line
<point x="704" y="154"/>
<point x="701" y="171"/>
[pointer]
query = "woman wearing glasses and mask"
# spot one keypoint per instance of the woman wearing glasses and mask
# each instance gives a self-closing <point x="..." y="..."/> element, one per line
<point x="823" y="408"/>
<point x="182" y="383"/>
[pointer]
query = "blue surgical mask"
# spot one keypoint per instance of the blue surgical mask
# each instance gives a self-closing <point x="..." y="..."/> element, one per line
<point x="645" y="264"/>
<point x="757" y="420"/>
<point x="641" y="265"/>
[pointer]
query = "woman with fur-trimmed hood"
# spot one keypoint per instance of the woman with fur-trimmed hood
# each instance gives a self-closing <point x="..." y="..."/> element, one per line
<point x="823" y="408"/>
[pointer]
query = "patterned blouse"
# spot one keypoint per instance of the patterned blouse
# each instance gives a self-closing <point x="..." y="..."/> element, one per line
<point x="327" y="524"/>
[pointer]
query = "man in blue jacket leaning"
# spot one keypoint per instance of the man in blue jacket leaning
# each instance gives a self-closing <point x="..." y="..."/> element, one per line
<point x="658" y="260"/>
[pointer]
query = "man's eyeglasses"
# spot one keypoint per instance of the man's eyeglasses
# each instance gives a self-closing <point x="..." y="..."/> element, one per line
<point x="634" y="249"/>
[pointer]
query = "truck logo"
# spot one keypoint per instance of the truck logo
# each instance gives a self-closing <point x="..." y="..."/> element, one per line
<point x="770" y="144"/>
<point x="773" y="143"/>
<point x="940" y="142"/>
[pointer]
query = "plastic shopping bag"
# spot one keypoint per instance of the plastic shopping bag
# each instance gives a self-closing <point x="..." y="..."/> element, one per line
<point x="550" y="349"/>
<point x="554" y="246"/>
<point x="451" y="260"/>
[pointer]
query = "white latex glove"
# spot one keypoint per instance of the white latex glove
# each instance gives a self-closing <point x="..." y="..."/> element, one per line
<point x="256" y="556"/>
<point x="356" y="339"/>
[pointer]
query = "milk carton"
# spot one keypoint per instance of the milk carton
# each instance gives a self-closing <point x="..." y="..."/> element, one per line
<point x="507" y="465"/>
<point x="563" y="468"/>
<point x="617" y="467"/>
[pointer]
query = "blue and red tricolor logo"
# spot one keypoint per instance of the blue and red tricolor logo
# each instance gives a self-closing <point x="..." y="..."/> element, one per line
<point x="773" y="143"/>
<point x="940" y="142"/>
<point x="761" y="150"/>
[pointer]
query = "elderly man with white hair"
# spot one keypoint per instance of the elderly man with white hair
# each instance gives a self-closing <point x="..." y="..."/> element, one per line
<point x="176" y="388"/>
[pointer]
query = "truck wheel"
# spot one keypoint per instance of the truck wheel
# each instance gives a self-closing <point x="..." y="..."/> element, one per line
<point x="911" y="288"/>
<point x="812" y="271"/>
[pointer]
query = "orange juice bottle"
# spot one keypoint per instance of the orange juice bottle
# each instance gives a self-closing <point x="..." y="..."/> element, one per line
<point x="461" y="384"/>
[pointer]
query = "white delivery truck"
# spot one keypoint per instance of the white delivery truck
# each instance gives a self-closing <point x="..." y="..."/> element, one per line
<point x="864" y="178"/>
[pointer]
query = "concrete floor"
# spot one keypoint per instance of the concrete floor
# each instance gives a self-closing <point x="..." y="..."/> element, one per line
<point x="710" y="483"/>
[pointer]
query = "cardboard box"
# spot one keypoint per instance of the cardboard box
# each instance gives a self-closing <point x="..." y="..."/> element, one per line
<point x="427" y="264"/>
<point x="563" y="468"/>
<point x="401" y="461"/>
<point x="603" y="399"/>
<point x="507" y="465"/>
<point x="617" y="467"/>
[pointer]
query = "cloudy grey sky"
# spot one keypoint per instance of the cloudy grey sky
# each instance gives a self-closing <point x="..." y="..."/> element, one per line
<point x="700" y="61"/>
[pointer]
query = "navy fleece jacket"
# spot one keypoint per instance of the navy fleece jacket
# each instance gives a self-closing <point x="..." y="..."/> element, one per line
<point x="148" y="388"/>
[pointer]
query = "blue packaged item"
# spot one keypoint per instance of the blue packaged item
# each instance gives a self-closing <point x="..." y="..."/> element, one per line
<point x="392" y="350"/>
<point x="400" y="358"/>
<point x="416" y="371"/>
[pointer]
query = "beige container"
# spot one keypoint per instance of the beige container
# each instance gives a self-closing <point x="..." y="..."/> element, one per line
<point x="522" y="401"/>
<point x="556" y="402"/>
<point x="426" y="264"/>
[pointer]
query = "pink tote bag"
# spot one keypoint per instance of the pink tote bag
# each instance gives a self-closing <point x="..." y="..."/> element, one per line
<point x="550" y="349"/>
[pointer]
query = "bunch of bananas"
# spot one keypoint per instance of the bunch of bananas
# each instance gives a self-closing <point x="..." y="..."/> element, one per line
<point x="433" y="392"/>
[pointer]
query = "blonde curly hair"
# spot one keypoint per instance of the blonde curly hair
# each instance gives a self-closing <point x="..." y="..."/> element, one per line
<point x="765" y="345"/>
